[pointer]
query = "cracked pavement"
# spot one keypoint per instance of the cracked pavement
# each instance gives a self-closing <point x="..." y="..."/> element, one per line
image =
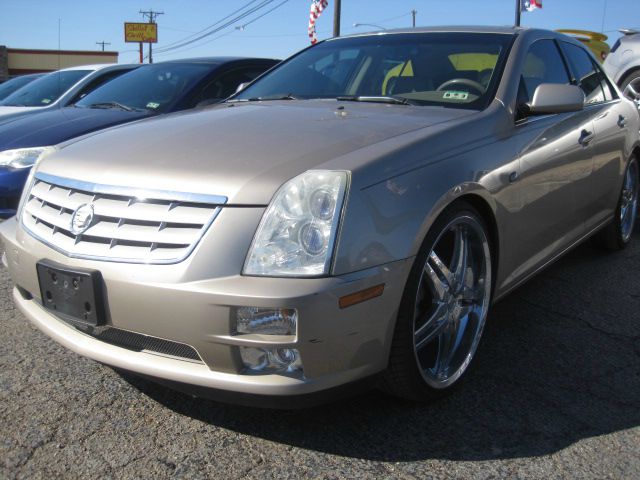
<point x="555" y="393"/>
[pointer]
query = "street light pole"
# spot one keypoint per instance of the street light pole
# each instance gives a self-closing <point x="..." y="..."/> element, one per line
<point x="518" y="12"/>
<point x="336" y="18"/>
<point x="414" y="12"/>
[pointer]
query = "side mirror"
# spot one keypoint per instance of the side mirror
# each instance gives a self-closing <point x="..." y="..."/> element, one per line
<point x="242" y="86"/>
<point x="551" y="98"/>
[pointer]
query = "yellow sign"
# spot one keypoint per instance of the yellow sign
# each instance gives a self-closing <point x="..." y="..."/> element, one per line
<point x="141" y="32"/>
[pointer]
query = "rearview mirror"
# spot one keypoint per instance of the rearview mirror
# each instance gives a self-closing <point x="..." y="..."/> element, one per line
<point x="242" y="86"/>
<point x="551" y="98"/>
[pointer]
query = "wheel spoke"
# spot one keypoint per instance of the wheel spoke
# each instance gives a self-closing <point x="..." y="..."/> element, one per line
<point x="441" y="269"/>
<point x="460" y="255"/>
<point x="446" y="349"/>
<point x="633" y="91"/>
<point x="432" y="326"/>
<point x="439" y="285"/>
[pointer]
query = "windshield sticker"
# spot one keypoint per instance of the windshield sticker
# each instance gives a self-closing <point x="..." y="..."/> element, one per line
<point x="455" y="95"/>
<point x="153" y="105"/>
<point x="46" y="100"/>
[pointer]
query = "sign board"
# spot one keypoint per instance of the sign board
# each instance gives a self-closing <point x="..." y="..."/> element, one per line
<point x="141" y="32"/>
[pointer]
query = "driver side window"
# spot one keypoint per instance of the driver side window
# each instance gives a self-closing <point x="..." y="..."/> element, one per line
<point x="543" y="64"/>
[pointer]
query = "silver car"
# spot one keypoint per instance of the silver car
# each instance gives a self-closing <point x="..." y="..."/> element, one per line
<point x="623" y="64"/>
<point x="350" y="216"/>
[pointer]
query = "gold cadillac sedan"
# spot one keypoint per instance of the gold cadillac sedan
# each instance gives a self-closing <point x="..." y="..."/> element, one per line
<point x="330" y="225"/>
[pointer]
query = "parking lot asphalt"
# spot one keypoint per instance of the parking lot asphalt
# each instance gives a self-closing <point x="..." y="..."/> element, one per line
<point x="555" y="393"/>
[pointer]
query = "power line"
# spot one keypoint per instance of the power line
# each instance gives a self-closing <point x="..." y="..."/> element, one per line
<point x="177" y="43"/>
<point x="265" y="13"/>
<point x="228" y="33"/>
<point x="230" y="22"/>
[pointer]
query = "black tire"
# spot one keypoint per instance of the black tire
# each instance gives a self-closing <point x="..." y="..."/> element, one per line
<point x="617" y="234"/>
<point x="405" y="375"/>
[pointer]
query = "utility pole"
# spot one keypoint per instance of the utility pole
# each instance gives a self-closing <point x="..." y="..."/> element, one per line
<point x="518" y="12"/>
<point x="103" y="44"/>
<point x="336" y="18"/>
<point x="414" y="12"/>
<point x="151" y="15"/>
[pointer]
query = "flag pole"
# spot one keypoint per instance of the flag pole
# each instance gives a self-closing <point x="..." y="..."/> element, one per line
<point x="518" y="12"/>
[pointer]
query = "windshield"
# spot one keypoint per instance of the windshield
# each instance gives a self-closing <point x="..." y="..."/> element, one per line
<point x="10" y="86"/>
<point x="153" y="87"/>
<point x="44" y="91"/>
<point x="447" y="69"/>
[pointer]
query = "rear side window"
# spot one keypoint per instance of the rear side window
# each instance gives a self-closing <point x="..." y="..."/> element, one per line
<point x="543" y="64"/>
<point x="98" y="82"/>
<point x="585" y="74"/>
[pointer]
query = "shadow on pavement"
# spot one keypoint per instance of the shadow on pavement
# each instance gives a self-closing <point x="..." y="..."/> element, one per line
<point x="560" y="362"/>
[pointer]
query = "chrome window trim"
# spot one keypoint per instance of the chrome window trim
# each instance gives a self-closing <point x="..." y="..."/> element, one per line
<point x="216" y="201"/>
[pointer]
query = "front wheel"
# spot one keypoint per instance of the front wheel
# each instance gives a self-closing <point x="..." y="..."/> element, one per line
<point x="444" y="307"/>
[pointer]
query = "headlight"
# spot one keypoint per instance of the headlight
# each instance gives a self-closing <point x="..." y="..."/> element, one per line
<point x="24" y="157"/>
<point x="298" y="230"/>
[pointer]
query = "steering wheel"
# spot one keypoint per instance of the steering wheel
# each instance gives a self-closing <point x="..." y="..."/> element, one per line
<point x="463" y="81"/>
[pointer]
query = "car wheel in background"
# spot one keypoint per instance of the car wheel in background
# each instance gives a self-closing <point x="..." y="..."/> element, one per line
<point x="630" y="87"/>
<point x="443" y="309"/>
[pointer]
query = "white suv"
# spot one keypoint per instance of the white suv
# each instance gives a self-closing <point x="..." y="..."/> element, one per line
<point x="623" y="64"/>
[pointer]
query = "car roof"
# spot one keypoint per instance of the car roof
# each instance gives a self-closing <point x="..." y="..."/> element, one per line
<point x="95" y="67"/>
<point x="217" y="60"/>
<point x="508" y="30"/>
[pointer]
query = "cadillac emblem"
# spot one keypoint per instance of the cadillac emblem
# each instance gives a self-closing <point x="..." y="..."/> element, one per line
<point x="82" y="219"/>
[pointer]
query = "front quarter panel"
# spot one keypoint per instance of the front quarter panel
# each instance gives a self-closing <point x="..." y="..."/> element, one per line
<point x="388" y="220"/>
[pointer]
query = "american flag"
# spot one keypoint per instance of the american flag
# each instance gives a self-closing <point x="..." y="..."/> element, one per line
<point x="317" y="7"/>
<point x="531" y="5"/>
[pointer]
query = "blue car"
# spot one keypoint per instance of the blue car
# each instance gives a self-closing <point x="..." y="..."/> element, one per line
<point x="147" y="91"/>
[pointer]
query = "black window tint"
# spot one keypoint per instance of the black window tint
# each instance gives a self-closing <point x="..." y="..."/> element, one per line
<point x="585" y="74"/>
<point x="543" y="64"/>
<point x="227" y="83"/>
<point x="97" y="82"/>
<point x="45" y="90"/>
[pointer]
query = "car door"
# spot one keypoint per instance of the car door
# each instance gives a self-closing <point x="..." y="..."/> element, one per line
<point x="555" y="164"/>
<point x="610" y="128"/>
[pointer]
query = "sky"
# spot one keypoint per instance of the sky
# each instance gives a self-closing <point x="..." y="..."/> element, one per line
<point x="278" y="33"/>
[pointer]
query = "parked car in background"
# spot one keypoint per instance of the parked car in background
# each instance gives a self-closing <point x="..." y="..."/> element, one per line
<point x="320" y="227"/>
<point x="144" y="92"/>
<point x="623" y="64"/>
<point x="59" y="89"/>
<point x="13" y="84"/>
<point x="597" y="42"/>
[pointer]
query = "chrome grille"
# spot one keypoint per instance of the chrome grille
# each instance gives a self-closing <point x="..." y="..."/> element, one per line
<point x="129" y="225"/>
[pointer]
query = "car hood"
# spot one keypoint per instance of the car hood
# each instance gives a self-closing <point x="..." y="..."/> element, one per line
<point x="4" y="111"/>
<point x="242" y="151"/>
<point x="56" y="126"/>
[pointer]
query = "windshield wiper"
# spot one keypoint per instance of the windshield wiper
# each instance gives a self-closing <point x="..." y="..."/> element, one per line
<point x="111" y="105"/>
<point x="288" y="96"/>
<point x="375" y="99"/>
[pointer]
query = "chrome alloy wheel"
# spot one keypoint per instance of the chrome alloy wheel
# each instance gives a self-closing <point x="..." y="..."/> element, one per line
<point x="632" y="91"/>
<point x="452" y="302"/>
<point x="629" y="200"/>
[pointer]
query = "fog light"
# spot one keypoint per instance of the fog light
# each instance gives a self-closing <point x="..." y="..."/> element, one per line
<point x="271" y="359"/>
<point x="266" y="321"/>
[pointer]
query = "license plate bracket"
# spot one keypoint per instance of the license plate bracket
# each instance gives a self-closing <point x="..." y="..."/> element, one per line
<point x="74" y="294"/>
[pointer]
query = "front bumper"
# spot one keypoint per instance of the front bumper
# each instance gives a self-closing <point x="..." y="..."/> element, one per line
<point x="11" y="184"/>
<point x="182" y="304"/>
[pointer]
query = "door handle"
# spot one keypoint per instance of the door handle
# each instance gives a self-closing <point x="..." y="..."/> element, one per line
<point x="622" y="121"/>
<point x="585" y="137"/>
